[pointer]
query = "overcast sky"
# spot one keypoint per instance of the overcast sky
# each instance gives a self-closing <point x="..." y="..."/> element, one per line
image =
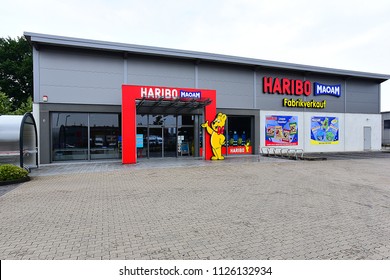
<point x="350" y="35"/>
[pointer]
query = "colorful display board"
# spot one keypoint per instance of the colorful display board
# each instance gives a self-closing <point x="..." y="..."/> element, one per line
<point x="324" y="130"/>
<point x="281" y="131"/>
<point x="140" y="140"/>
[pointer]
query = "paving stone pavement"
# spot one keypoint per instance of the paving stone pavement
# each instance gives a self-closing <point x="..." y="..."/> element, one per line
<point x="268" y="209"/>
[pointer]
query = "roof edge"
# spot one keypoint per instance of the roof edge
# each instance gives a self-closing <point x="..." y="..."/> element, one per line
<point x="185" y="54"/>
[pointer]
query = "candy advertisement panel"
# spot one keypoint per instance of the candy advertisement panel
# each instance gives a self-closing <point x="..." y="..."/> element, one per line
<point x="281" y="131"/>
<point x="324" y="130"/>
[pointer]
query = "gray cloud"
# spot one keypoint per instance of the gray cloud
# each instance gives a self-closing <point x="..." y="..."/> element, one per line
<point x="350" y="35"/>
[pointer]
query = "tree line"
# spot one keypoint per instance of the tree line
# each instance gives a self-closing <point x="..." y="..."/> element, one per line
<point x="16" y="76"/>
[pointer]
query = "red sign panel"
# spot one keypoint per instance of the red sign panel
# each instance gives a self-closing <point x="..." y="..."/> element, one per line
<point x="132" y="93"/>
<point x="238" y="150"/>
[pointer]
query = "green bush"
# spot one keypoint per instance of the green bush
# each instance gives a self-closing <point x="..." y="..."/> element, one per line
<point x="11" y="172"/>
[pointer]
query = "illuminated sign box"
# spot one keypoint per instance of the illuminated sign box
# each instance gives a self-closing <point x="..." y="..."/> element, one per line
<point x="321" y="89"/>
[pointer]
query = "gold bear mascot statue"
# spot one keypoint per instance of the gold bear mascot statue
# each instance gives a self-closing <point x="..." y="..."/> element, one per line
<point x="216" y="130"/>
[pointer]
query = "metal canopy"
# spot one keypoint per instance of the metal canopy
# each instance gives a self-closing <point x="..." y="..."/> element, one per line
<point x="182" y="106"/>
<point x="19" y="140"/>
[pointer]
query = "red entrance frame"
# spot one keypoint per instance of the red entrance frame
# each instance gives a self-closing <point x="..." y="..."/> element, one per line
<point x="131" y="93"/>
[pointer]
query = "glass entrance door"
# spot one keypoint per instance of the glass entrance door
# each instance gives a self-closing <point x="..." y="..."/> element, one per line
<point x="162" y="142"/>
<point x="155" y="142"/>
<point x="164" y="135"/>
<point x="170" y="141"/>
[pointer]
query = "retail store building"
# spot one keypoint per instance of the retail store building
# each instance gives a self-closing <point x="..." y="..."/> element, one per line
<point x="386" y="129"/>
<point x="101" y="100"/>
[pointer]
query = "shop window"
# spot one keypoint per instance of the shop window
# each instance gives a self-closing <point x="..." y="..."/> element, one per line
<point x="239" y="135"/>
<point x="142" y="120"/>
<point x="387" y="124"/>
<point x="169" y="120"/>
<point x="69" y="136"/>
<point x="142" y="132"/>
<point x="162" y="120"/>
<point x="71" y="131"/>
<point x="186" y="140"/>
<point x="186" y="144"/>
<point x="185" y="120"/>
<point x="104" y="135"/>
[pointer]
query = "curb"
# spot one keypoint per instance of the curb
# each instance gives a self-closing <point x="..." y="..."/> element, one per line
<point x="309" y="158"/>
<point x="17" y="181"/>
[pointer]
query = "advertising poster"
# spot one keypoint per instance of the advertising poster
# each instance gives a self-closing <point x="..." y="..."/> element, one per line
<point x="140" y="140"/>
<point x="324" y="130"/>
<point x="281" y="130"/>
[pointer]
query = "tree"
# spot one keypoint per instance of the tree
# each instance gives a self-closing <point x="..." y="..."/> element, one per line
<point x="5" y="104"/>
<point x="16" y="71"/>
<point x="25" y="107"/>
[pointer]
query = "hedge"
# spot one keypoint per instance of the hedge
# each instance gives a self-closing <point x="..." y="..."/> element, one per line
<point x="9" y="172"/>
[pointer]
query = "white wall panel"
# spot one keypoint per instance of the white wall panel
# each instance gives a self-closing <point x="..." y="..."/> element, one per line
<point x="351" y="131"/>
<point x="354" y="130"/>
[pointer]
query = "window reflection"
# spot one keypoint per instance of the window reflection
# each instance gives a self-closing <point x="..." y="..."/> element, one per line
<point x="239" y="138"/>
<point x="70" y="136"/>
<point x="162" y="120"/>
<point x="164" y="135"/>
<point x="142" y="120"/>
<point x="187" y="120"/>
<point x="104" y="134"/>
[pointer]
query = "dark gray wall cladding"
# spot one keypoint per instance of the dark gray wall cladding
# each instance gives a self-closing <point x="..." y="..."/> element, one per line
<point x="44" y="127"/>
<point x="233" y="83"/>
<point x="272" y="102"/>
<point x="44" y="136"/>
<point x="82" y="77"/>
<point x="362" y="96"/>
<point x="155" y="71"/>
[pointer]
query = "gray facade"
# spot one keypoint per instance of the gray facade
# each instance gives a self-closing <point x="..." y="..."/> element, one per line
<point x="234" y="84"/>
<point x="73" y="76"/>
<point x="78" y="75"/>
<point x="159" y="71"/>
<point x="386" y="129"/>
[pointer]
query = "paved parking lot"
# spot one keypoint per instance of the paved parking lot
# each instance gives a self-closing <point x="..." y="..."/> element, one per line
<point x="191" y="209"/>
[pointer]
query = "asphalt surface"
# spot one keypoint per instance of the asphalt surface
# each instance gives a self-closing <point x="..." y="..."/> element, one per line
<point x="241" y="208"/>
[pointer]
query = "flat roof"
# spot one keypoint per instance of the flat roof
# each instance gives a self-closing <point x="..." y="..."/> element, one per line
<point x="44" y="39"/>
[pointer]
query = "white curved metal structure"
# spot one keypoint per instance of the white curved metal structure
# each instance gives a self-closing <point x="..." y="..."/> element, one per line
<point x="19" y="140"/>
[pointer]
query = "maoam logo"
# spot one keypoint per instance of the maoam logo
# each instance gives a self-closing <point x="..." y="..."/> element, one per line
<point x="190" y="94"/>
<point x="321" y="89"/>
